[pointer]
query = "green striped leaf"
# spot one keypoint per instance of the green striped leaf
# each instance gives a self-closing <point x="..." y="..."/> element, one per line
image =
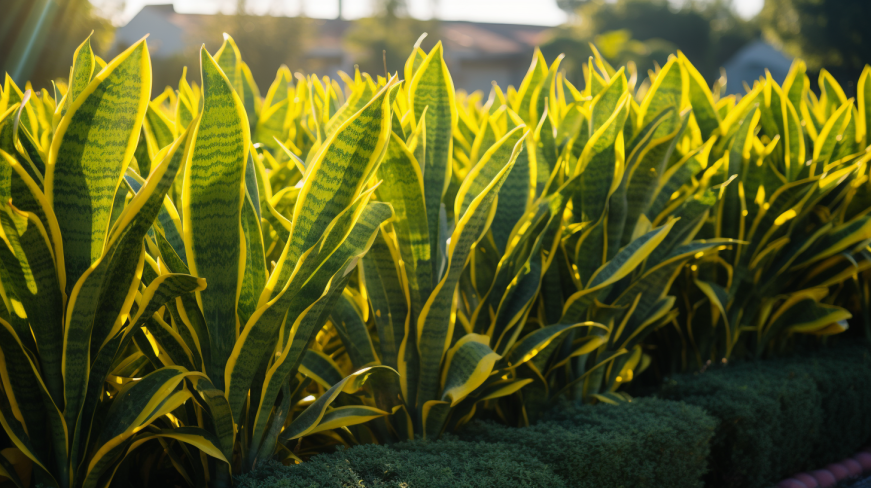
<point x="436" y="319"/>
<point x="432" y="89"/>
<point x="81" y="73"/>
<point x="90" y="151"/>
<point x="308" y="420"/>
<point x="402" y="186"/>
<point x="701" y="99"/>
<point x="212" y="200"/>
<point x="349" y="324"/>
<point x="337" y="174"/>
<point x="467" y="365"/>
<point x="387" y="295"/>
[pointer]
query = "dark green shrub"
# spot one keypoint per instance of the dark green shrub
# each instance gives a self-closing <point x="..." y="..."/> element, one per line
<point x="419" y="464"/>
<point x="646" y="443"/>
<point x="770" y="415"/>
<point x="781" y="416"/>
<point x="843" y="378"/>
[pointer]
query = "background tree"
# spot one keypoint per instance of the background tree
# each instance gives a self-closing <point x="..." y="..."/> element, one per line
<point x="646" y="31"/>
<point x="39" y="37"/>
<point x="831" y="34"/>
<point x="389" y="29"/>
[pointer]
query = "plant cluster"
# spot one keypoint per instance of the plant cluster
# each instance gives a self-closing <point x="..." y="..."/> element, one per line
<point x="215" y="278"/>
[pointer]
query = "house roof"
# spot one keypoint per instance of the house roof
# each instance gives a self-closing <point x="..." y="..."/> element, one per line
<point x="461" y="38"/>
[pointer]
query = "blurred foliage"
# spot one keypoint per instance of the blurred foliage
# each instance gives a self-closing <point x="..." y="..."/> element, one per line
<point x="45" y="34"/>
<point x="385" y="36"/>
<point x="828" y="34"/>
<point x="646" y="31"/>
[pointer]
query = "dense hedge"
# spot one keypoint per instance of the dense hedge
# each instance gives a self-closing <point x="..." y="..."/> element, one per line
<point x="782" y="416"/>
<point x="648" y="443"/>
<point x="742" y="425"/>
<point x="444" y="463"/>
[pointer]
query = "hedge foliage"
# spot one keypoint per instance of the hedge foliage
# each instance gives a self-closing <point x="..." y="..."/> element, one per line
<point x="743" y="425"/>
<point x="781" y="416"/>
<point x="448" y="462"/>
<point x="646" y="443"/>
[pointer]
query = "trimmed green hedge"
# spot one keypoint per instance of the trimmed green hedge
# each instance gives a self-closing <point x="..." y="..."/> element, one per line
<point x="444" y="463"/>
<point x="742" y="425"/>
<point x="781" y="416"/>
<point x="646" y="443"/>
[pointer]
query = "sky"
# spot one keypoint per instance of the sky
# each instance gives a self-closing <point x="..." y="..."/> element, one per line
<point x="538" y="12"/>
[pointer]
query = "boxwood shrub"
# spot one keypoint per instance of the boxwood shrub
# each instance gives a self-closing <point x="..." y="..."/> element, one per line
<point x="449" y="462"/>
<point x="780" y="416"/>
<point x="646" y="443"/>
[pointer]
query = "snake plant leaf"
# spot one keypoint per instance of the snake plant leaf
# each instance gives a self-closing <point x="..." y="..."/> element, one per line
<point x="432" y="89"/>
<point x="349" y="324"/>
<point x="13" y="95"/>
<point x="337" y="174"/>
<point x="701" y="99"/>
<point x="601" y="164"/>
<point x="320" y="368"/>
<point x="312" y="306"/>
<point x="7" y="470"/>
<point x="360" y="96"/>
<point x="837" y="240"/>
<point x="831" y="94"/>
<point x="212" y="200"/>
<point x="219" y="409"/>
<point x="389" y="298"/>
<point x="543" y="153"/>
<point x="403" y="187"/>
<point x="607" y="102"/>
<point x="229" y="61"/>
<point x="803" y="312"/>
<point x="832" y="133"/>
<point x="29" y="148"/>
<point x="618" y="206"/>
<point x="91" y="148"/>
<point x="415" y="59"/>
<point x="31" y="272"/>
<point x="273" y="114"/>
<point x="788" y="125"/>
<point x="796" y="84"/>
<point x="435" y="322"/>
<point x="304" y="299"/>
<point x="145" y="400"/>
<point x="171" y="347"/>
<point x="533" y="344"/>
<point x="159" y="131"/>
<point x="434" y="414"/>
<point x="308" y="420"/>
<point x="163" y="289"/>
<point x="93" y="294"/>
<point x="863" y="102"/>
<point x="346" y="416"/>
<point x="646" y="170"/>
<point x="81" y="73"/>
<point x="534" y="76"/>
<point x="250" y="95"/>
<point x="543" y="92"/>
<point x="624" y="262"/>
<point x="28" y="401"/>
<point x="255" y="274"/>
<point x="467" y="365"/>
<point x="666" y="91"/>
<point x="188" y="103"/>
<point x="490" y="164"/>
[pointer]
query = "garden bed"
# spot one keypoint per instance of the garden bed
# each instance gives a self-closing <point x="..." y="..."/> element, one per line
<point x="746" y="425"/>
